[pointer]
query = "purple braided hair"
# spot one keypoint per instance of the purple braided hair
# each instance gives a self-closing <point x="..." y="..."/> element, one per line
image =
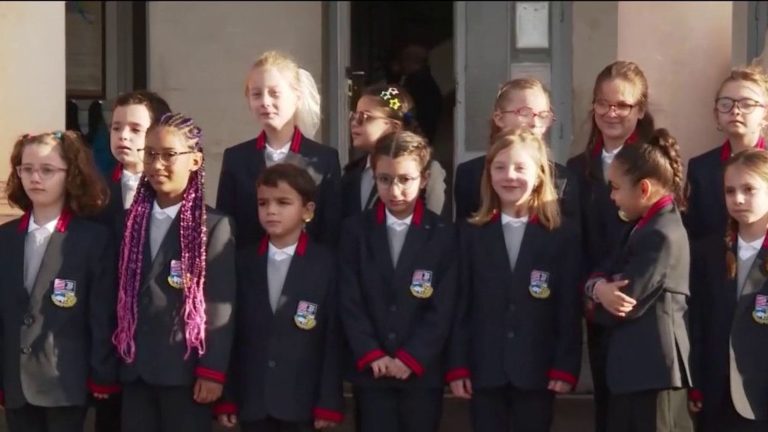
<point x="194" y="238"/>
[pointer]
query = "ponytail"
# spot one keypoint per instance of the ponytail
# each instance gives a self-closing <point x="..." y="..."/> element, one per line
<point x="662" y="139"/>
<point x="308" y="111"/>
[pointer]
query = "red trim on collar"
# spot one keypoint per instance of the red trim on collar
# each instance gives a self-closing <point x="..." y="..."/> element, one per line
<point x="264" y="245"/>
<point x="418" y="212"/>
<point x="659" y="205"/>
<point x="117" y="173"/>
<point x="726" y="150"/>
<point x="295" y="147"/>
<point x="301" y="246"/>
<point x="61" y="226"/>
<point x="631" y="139"/>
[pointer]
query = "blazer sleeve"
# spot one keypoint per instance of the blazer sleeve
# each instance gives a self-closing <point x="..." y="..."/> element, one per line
<point x="429" y="338"/>
<point x="359" y="329"/>
<point x="567" y="361"/>
<point x="692" y="193"/>
<point x="699" y="304"/>
<point x="435" y="190"/>
<point x="461" y="189"/>
<point x="330" y="405"/>
<point x="220" y="290"/>
<point x="457" y="363"/>
<point x="226" y="198"/>
<point x="230" y="398"/>
<point x="103" y="315"/>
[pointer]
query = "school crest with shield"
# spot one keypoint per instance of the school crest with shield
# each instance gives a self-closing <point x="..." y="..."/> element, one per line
<point x="64" y="293"/>
<point x="760" y="314"/>
<point x="174" y="278"/>
<point x="421" y="284"/>
<point x="306" y="315"/>
<point x="539" y="287"/>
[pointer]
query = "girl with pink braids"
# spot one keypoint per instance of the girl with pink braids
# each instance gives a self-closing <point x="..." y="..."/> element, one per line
<point x="176" y="289"/>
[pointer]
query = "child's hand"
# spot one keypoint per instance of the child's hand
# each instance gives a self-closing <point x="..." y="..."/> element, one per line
<point x="560" y="387"/>
<point x="228" y="420"/>
<point x="101" y="396"/>
<point x="324" y="424"/>
<point x="612" y="299"/>
<point x="380" y="367"/>
<point x="695" y="406"/>
<point x="207" y="391"/>
<point x="462" y="388"/>
<point x="399" y="370"/>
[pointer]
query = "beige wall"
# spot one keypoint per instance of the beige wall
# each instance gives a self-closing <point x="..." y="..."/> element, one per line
<point x="200" y="52"/>
<point x="32" y="74"/>
<point x="595" y="34"/>
<point x="684" y="48"/>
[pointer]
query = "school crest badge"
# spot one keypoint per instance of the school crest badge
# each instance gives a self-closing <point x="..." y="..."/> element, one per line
<point x="64" y="294"/>
<point x="539" y="287"/>
<point x="175" y="277"/>
<point x="760" y="314"/>
<point x="306" y="315"/>
<point x="421" y="284"/>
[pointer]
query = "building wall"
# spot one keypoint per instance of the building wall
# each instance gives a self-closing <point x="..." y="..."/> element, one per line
<point x="200" y="52"/>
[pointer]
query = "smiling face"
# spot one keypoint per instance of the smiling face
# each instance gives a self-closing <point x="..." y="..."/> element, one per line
<point x="169" y="160"/>
<point x="514" y="173"/>
<point x="617" y="109"/>
<point x="271" y="98"/>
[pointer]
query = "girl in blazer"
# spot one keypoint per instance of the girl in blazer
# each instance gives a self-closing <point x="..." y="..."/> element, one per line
<point x="57" y="293"/>
<point x="397" y="287"/>
<point x="284" y="101"/>
<point x="176" y="289"/>
<point x="517" y="339"/>
<point x="729" y="308"/>
<point x="286" y="374"/>
<point x="640" y="293"/>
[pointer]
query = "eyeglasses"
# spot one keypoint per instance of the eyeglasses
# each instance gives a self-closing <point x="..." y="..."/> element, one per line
<point x="747" y="106"/>
<point x="166" y="158"/>
<point x="546" y="117"/>
<point x="387" y="181"/>
<point x="46" y="172"/>
<point x="621" y="109"/>
<point x="361" y="117"/>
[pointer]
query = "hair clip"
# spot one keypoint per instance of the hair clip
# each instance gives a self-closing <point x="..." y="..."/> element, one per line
<point x="390" y="95"/>
<point x="57" y="134"/>
<point x="408" y="116"/>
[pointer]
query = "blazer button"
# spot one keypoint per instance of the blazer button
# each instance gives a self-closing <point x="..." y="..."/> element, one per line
<point x="391" y="336"/>
<point x="26" y="349"/>
<point x="271" y="363"/>
<point x="510" y="335"/>
<point x="28" y="320"/>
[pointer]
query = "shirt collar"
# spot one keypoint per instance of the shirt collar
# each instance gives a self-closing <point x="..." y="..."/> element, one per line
<point x="128" y="177"/>
<point x="283" y="150"/>
<point x="608" y="156"/>
<point x="171" y="211"/>
<point x="280" y="254"/>
<point x="505" y="219"/>
<point x="396" y="223"/>
<point x="367" y="163"/>
<point x="748" y="249"/>
<point x="50" y="226"/>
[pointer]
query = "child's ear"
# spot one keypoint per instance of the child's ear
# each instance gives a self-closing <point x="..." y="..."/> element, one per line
<point x="424" y="179"/>
<point x="309" y="212"/>
<point x="197" y="161"/>
<point x="645" y="188"/>
<point x="496" y="117"/>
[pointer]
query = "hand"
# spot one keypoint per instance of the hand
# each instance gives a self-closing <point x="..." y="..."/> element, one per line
<point x="380" y="367"/>
<point x="462" y="388"/>
<point x="560" y="387"/>
<point x="695" y="406"/>
<point x="398" y="369"/>
<point x="612" y="299"/>
<point x="207" y="391"/>
<point x="101" y="396"/>
<point x="228" y="420"/>
<point x="324" y="424"/>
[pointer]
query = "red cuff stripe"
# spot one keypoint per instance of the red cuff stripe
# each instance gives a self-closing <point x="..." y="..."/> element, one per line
<point x="103" y="389"/>
<point x="559" y="375"/>
<point x="210" y="374"/>
<point x="329" y="415"/>
<point x="456" y="374"/>
<point x="369" y="358"/>
<point x="411" y="362"/>
<point x="695" y="395"/>
<point x="2" y="398"/>
<point x="224" y="408"/>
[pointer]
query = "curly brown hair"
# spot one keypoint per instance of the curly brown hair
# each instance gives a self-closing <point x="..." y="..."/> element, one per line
<point x="86" y="191"/>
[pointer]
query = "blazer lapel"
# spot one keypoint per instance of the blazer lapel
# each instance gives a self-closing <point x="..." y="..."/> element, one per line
<point x="257" y="163"/>
<point x="417" y="236"/>
<point x="50" y="267"/>
<point x="755" y="278"/>
<point x="529" y="249"/>
<point x="291" y="286"/>
<point x="170" y="249"/>
<point x="493" y="239"/>
<point x="379" y="247"/>
<point x="16" y="264"/>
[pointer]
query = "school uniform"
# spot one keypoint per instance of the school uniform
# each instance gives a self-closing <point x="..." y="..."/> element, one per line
<point x="519" y="320"/>
<point x="469" y="176"/>
<point x="601" y="231"/>
<point x="706" y="212"/>
<point x="158" y="384"/>
<point x="729" y="321"/>
<point x="57" y="312"/>
<point x="647" y="352"/>
<point x="359" y="193"/>
<point x="243" y="164"/>
<point x="397" y="287"/>
<point x="286" y="368"/>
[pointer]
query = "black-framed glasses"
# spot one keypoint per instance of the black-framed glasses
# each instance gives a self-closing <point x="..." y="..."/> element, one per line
<point x="387" y="181"/>
<point x="46" y="172"/>
<point x="725" y="105"/>
<point x="361" y="117"/>
<point x="547" y="117"/>
<point x="168" y="157"/>
<point x="621" y="109"/>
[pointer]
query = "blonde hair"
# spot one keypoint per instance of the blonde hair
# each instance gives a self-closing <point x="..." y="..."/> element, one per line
<point x="507" y="90"/>
<point x="753" y="74"/>
<point x="543" y="202"/>
<point x="307" y="116"/>
<point x="403" y="143"/>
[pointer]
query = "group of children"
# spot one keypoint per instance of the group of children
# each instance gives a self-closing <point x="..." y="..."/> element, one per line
<point x="162" y="312"/>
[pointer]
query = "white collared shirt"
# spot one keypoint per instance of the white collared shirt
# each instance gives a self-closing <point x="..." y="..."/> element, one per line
<point x="50" y="226"/>
<point x="749" y="249"/>
<point x="367" y="183"/>
<point x="128" y="184"/>
<point x="281" y="254"/>
<point x="608" y="156"/>
<point x="160" y="224"/>
<point x="398" y="224"/>
<point x="274" y="155"/>
<point x="170" y="211"/>
<point x="505" y="219"/>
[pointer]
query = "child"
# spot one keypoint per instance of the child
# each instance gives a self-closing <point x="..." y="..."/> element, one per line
<point x="740" y="112"/>
<point x="57" y="291"/>
<point x="517" y="341"/>
<point x="381" y="110"/>
<point x="729" y="308"/>
<point x="619" y="116"/>
<point x="520" y="103"/>
<point x="289" y="354"/>
<point x="397" y="287"/>
<point x="177" y="289"/>
<point x="285" y="103"/>
<point x="641" y="292"/>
